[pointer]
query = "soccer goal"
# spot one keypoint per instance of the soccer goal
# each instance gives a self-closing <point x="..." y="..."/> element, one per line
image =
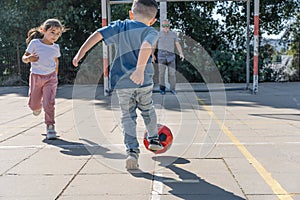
<point x="106" y="18"/>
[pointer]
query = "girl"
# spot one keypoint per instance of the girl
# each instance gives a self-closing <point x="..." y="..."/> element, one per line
<point x="43" y="53"/>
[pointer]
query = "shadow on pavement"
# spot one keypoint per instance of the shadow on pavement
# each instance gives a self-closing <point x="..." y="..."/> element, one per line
<point x="188" y="186"/>
<point x="83" y="149"/>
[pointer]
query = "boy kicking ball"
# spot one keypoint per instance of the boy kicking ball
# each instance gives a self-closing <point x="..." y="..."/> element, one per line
<point x="131" y="74"/>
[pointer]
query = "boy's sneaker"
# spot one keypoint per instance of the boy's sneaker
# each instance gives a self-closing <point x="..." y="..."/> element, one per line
<point x="51" y="133"/>
<point x="173" y="92"/>
<point x="132" y="160"/>
<point x="155" y="145"/>
<point x="36" y="112"/>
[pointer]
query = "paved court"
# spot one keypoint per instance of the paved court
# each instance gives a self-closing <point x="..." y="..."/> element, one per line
<point x="228" y="144"/>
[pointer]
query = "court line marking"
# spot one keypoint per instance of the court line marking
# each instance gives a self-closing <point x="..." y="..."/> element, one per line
<point x="157" y="187"/>
<point x="278" y="190"/>
<point x="182" y="181"/>
<point x="76" y="146"/>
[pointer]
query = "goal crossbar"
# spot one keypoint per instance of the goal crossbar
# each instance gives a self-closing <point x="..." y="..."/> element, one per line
<point x="130" y="1"/>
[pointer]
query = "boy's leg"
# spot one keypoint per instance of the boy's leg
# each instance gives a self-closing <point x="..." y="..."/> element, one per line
<point x="145" y="104"/>
<point x="128" y="107"/>
<point x="132" y="160"/>
<point x="35" y="92"/>
<point x="49" y="93"/>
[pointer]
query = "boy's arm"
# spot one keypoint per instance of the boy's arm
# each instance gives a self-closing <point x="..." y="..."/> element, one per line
<point x="138" y="75"/>
<point x="87" y="45"/>
<point x="153" y="51"/>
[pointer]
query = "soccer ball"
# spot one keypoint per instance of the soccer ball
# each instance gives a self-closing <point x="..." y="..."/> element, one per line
<point x="165" y="137"/>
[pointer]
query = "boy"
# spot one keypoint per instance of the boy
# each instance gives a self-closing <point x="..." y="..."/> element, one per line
<point x="132" y="72"/>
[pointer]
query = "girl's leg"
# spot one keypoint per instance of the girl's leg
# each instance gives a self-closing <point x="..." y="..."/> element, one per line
<point x="35" y="92"/>
<point x="49" y="93"/>
<point x="128" y="118"/>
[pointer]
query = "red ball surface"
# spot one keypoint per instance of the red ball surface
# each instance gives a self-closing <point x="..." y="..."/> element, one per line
<point x="165" y="138"/>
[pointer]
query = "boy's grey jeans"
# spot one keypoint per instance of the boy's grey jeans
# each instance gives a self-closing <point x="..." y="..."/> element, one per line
<point x="129" y="100"/>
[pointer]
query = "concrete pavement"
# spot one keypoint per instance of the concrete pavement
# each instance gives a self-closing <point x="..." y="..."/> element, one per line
<point x="228" y="144"/>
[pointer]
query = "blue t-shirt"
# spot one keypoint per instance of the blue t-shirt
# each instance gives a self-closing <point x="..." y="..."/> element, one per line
<point x="128" y="36"/>
<point x="47" y="54"/>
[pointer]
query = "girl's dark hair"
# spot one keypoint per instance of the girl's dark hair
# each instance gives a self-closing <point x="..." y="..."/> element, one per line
<point x="35" y="33"/>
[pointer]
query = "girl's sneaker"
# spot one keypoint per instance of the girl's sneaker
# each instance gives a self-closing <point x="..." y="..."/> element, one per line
<point x="51" y="133"/>
<point x="37" y="112"/>
<point x="132" y="160"/>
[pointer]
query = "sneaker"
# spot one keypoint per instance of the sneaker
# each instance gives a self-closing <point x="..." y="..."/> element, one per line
<point x="155" y="145"/>
<point x="162" y="92"/>
<point x="132" y="160"/>
<point x="37" y="112"/>
<point x="173" y="92"/>
<point x="51" y="133"/>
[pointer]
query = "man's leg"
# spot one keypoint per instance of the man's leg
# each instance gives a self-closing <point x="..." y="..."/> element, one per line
<point x="162" y="70"/>
<point x="172" y="74"/>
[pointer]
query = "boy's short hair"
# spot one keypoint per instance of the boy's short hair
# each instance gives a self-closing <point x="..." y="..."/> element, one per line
<point x="145" y="8"/>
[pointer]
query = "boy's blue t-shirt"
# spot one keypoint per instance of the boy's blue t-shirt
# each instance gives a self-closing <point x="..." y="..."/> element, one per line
<point x="128" y="36"/>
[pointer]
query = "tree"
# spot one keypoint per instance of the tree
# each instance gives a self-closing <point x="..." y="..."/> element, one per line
<point x="223" y="38"/>
<point x="228" y="35"/>
<point x="293" y="36"/>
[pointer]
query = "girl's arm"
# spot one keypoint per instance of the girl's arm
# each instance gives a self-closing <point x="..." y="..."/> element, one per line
<point x="57" y="63"/>
<point x="87" y="45"/>
<point x="27" y="57"/>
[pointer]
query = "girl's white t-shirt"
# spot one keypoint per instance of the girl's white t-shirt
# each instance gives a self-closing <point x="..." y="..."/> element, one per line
<point x="47" y="54"/>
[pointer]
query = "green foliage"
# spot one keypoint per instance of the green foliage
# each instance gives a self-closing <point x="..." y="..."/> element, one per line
<point x="223" y="39"/>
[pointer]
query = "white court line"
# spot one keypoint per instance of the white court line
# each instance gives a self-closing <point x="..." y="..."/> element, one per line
<point x="74" y="146"/>
<point x="296" y="101"/>
<point x="182" y="181"/>
<point x="157" y="187"/>
<point x="51" y="146"/>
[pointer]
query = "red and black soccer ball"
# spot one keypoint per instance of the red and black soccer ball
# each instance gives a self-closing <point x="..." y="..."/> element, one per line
<point x="165" y="137"/>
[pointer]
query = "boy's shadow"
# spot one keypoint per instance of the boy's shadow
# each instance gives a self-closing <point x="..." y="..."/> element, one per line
<point x="188" y="185"/>
<point x="83" y="149"/>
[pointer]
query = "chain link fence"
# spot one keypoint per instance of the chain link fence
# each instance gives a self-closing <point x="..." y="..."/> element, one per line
<point x="14" y="72"/>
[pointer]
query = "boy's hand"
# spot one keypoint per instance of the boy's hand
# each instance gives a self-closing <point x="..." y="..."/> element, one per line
<point x="76" y="61"/>
<point x="137" y="77"/>
<point x="153" y="58"/>
<point x="87" y="45"/>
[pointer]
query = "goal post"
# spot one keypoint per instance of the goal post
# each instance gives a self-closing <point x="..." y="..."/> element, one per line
<point x="106" y="17"/>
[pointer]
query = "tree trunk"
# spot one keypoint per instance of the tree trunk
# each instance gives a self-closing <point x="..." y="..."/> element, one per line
<point x="18" y="59"/>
